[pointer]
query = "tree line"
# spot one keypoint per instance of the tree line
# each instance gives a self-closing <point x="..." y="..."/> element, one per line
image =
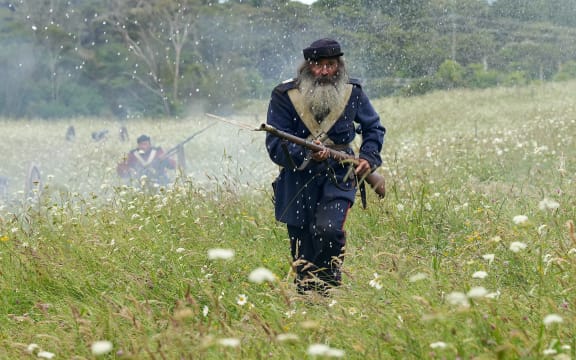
<point x="130" y="58"/>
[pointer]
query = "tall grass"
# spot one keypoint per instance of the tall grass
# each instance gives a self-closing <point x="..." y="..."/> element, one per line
<point x="471" y="254"/>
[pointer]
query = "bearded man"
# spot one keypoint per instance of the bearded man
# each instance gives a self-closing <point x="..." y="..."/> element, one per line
<point x="313" y="192"/>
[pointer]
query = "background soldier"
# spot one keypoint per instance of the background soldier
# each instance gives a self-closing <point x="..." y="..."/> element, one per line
<point x="146" y="160"/>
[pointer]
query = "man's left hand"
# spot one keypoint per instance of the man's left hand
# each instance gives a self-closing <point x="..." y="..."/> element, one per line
<point x="363" y="168"/>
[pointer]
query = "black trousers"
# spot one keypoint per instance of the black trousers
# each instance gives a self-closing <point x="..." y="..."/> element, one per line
<point x="317" y="248"/>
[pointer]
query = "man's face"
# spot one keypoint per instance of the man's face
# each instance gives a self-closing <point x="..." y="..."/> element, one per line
<point x="143" y="146"/>
<point x="324" y="70"/>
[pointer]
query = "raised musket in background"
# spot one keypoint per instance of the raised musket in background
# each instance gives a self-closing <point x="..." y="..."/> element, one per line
<point x="178" y="149"/>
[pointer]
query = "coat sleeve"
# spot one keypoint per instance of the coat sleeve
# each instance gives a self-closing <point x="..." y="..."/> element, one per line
<point x="371" y="130"/>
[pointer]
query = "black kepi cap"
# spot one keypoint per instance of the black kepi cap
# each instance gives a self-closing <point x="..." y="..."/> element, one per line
<point x="143" y="138"/>
<point x="323" y="48"/>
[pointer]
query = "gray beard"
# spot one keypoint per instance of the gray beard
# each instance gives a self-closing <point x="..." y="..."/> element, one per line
<point x="321" y="96"/>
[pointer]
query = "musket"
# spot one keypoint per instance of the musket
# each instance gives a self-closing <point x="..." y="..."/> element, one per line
<point x="375" y="180"/>
<point x="175" y="148"/>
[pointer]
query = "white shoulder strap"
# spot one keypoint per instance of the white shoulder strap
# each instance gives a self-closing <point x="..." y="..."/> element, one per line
<point x="318" y="130"/>
<point x="148" y="160"/>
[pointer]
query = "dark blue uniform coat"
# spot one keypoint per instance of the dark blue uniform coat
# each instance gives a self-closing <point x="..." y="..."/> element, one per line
<point x="297" y="192"/>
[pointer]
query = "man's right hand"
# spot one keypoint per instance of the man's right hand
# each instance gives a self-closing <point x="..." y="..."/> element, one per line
<point x="322" y="154"/>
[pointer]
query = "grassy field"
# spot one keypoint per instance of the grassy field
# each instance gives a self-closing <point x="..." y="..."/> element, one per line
<point x="471" y="255"/>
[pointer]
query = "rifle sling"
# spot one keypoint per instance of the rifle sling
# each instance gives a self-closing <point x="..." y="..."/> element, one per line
<point x="288" y="156"/>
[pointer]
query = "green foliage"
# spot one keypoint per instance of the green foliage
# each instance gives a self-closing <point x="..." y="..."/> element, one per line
<point x="380" y="87"/>
<point x="165" y="56"/>
<point x="559" y="12"/>
<point x="567" y="71"/>
<point x="419" y="87"/>
<point x="478" y="77"/>
<point x="514" y="78"/>
<point x="450" y="75"/>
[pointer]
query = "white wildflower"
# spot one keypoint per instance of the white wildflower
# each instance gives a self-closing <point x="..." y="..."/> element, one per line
<point x="375" y="283"/>
<point x="496" y="239"/>
<point x="220" y="254"/>
<point x="493" y="295"/>
<point x="479" y="274"/>
<point x="417" y="277"/>
<point x="477" y="292"/>
<point x="552" y="319"/>
<point x="241" y="299"/>
<point x="549" y="352"/>
<point x="438" y="345"/>
<point x="488" y="257"/>
<point x="101" y="347"/>
<point x="318" y="349"/>
<point x="261" y="275"/>
<point x="205" y="310"/>
<point x="458" y="298"/>
<point x="287" y="337"/>
<point x="324" y="350"/>
<point x="542" y="229"/>
<point x="335" y="353"/>
<point x="45" y="355"/>
<point x="517" y="246"/>
<point x="229" y="342"/>
<point x="32" y="347"/>
<point x="520" y="219"/>
<point x="548" y="204"/>
<point x="180" y="250"/>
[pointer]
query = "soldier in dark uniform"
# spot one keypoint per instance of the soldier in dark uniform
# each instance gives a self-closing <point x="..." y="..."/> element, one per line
<point x="146" y="160"/>
<point x="70" y="133"/>
<point x="313" y="192"/>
